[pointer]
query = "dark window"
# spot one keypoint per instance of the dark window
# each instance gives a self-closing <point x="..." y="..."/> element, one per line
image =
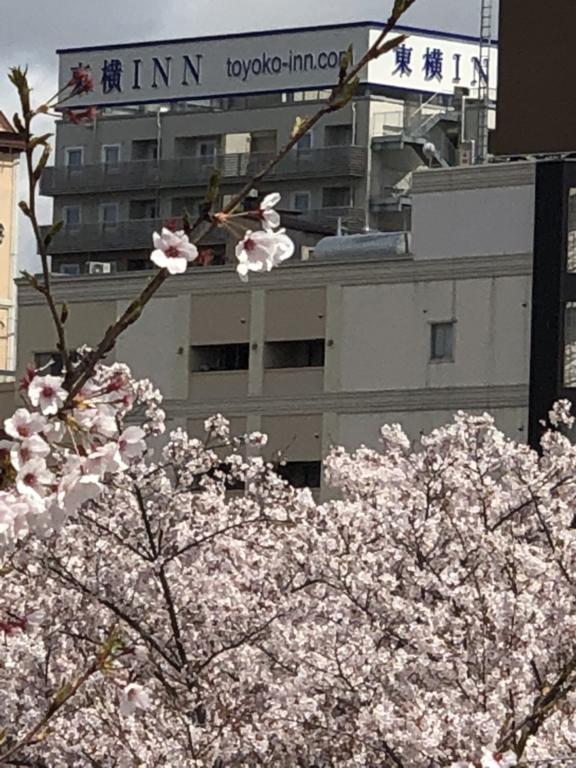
<point x="302" y="474"/>
<point x="338" y="135"/>
<point x="219" y="357"/>
<point x="570" y="344"/>
<point x="336" y="197"/>
<point x="442" y="341"/>
<point x="144" y="149"/>
<point x="263" y="142"/>
<point x="143" y="209"/>
<point x="308" y="353"/>
<point x="136" y="264"/>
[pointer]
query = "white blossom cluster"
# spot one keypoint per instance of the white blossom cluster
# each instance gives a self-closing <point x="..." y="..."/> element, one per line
<point x="258" y="251"/>
<point x="425" y="616"/>
<point x="56" y="458"/>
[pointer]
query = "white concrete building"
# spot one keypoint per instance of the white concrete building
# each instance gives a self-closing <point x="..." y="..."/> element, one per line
<point x="371" y="329"/>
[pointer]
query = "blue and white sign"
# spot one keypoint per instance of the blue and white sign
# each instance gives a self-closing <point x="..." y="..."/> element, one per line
<point x="283" y="60"/>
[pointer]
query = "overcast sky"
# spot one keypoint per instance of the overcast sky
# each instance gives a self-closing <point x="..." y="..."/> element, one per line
<point x="32" y="30"/>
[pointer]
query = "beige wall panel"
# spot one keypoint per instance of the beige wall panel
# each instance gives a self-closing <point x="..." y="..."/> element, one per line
<point x="218" y="385"/>
<point x="294" y="381"/>
<point x="156" y="346"/>
<point x="364" y="428"/>
<point x="492" y="343"/>
<point x="8" y="400"/>
<point x="297" y="438"/>
<point x="220" y="318"/>
<point x="295" y="314"/>
<point x="390" y="357"/>
<point x="86" y="324"/>
<point x="492" y="334"/>
<point x="472" y="222"/>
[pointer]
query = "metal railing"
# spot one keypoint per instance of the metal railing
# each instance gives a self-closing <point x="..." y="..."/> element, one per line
<point x="196" y="171"/>
<point x="137" y="234"/>
<point x="122" y="236"/>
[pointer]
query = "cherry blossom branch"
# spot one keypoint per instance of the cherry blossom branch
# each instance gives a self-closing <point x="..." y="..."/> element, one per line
<point x="543" y="708"/>
<point x="62" y="697"/>
<point x="34" y="173"/>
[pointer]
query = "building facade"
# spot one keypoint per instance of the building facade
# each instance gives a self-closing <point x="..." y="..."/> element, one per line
<point x="170" y="113"/>
<point x="10" y="148"/>
<point x="373" y="328"/>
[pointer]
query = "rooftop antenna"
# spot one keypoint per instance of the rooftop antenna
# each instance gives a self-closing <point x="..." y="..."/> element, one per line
<point x="485" y="49"/>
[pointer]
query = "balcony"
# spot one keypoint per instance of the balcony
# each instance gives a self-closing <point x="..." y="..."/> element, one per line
<point x="196" y="171"/>
<point x="350" y="219"/>
<point x="123" y="236"/>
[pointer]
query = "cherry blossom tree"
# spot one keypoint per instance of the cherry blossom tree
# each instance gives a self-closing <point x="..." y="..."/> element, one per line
<point x="423" y="617"/>
<point x="185" y="606"/>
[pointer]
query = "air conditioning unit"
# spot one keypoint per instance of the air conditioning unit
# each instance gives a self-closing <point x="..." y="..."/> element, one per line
<point x="466" y="153"/>
<point x="99" y="267"/>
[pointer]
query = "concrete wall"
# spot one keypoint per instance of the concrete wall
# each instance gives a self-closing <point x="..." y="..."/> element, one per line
<point x="385" y="334"/>
<point x="470" y="211"/>
<point x="364" y="429"/>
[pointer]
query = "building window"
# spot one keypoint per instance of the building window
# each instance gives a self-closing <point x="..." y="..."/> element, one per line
<point x="338" y="135"/>
<point x="306" y="353"/>
<point x="206" y="149"/>
<point x="72" y="215"/>
<point x="442" y="342"/>
<point x="219" y="357"/>
<point x="69" y="269"/>
<point x="74" y="157"/>
<point x="302" y="474"/>
<point x="108" y="214"/>
<point x="570" y="344"/>
<point x="134" y="265"/>
<point x="337" y="197"/>
<point x="263" y="142"/>
<point x="306" y="142"/>
<point x="143" y="209"/>
<point x="301" y="201"/>
<point x="190" y="204"/>
<point x="111" y="154"/>
<point x="145" y="149"/>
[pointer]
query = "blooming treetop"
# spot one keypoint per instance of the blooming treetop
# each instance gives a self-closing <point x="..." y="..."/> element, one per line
<point x="424" y="617"/>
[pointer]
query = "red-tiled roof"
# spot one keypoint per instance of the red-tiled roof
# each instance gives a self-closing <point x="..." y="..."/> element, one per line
<point x="9" y="139"/>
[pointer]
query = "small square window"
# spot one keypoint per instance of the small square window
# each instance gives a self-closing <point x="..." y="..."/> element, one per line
<point x="442" y="342"/>
<point x="74" y="157"/>
<point x="108" y="213"/>
<point x="111" y="154"/>
<point x="301" y="201"/>
<point x="72" y="215"/>
<point x="69" y="269"/>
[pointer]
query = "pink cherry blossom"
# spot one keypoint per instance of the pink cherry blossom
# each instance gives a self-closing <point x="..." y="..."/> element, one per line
<point x="262" y="251"/>
<point x="34" y="477"/>
<point x="29" y="448"/>
<point x="270" y="217"/>
<point x="173" y="251"/>
<point x="23" y="424"/>
<point x="47" y="393"/>
<point x="131" y="442"/>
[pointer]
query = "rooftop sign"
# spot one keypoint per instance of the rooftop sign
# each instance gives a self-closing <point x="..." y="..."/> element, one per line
<point x="282" y="60"/>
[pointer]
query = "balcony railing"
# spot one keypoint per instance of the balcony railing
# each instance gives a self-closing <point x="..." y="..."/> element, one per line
<point x="123" y="236"/>
<point x="137" y="234"/>
<point x="350" y="219"/>
<point x="196" y="171"/>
